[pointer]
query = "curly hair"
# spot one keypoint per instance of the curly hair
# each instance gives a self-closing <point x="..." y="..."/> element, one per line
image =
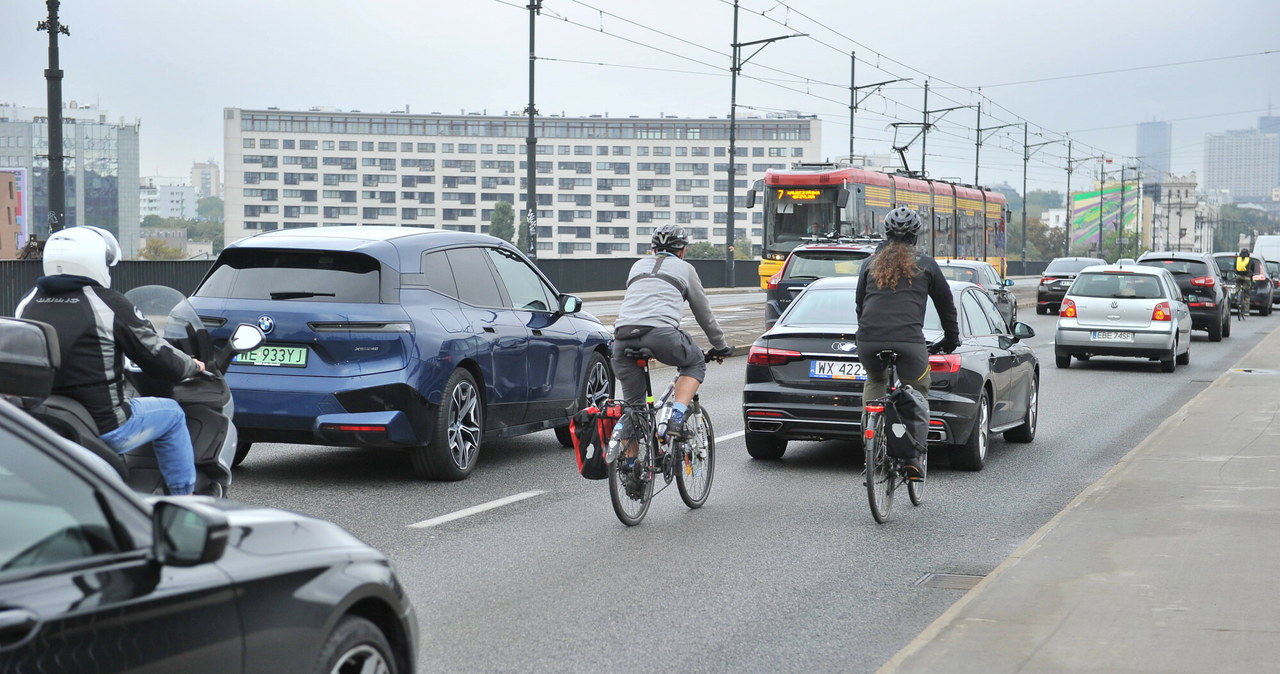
<point x="896" y="261"/>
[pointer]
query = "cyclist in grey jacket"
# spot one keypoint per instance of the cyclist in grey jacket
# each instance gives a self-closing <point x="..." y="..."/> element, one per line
<point x="657" y="288"/>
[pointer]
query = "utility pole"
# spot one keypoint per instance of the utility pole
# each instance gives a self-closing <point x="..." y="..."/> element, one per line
<point x="1026" y="157"/>
<point x="530" y="144"/>
<point x="53" y="78"/>
<point x="735" y="67"/>
<point x="978" y="150"/>
<point x="924" y="130"/>
<point x="854" y="101"/>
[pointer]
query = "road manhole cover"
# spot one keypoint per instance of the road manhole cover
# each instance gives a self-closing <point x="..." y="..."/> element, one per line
<point x="949" y="581"/>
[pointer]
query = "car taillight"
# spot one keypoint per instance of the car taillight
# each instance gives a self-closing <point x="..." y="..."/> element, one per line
<point x="948" y="363"/>
<point x="1045" y="279"/>
<point x="1068" y="309"/>
<point x="763" y="355"/>
<point x="1162" y="312"/>
<point x="1203" y="281"/>
<point x="1259" y="277"/>
<point x="772" y="284"/>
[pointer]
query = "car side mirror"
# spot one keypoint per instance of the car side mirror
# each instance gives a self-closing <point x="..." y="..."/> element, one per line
<point x="1022" y="331"/>
<point x="246" y="338"/>
<point x="570" y="304"/>
<point x="1008" y="282"/>
<point x="188" y="533"/>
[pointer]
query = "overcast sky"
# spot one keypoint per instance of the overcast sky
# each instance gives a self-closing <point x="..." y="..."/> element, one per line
<point x="176" y="65"/>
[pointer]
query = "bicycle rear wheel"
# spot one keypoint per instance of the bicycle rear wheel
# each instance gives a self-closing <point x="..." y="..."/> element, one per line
<point x="631" y="486"/>
<point x="915" y="488"/>
<point x="697" y="460"/>
<point x="879" y="475"/>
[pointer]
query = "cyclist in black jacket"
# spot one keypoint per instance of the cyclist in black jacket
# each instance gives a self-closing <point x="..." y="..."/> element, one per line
<point x="894" y="287"/>
<point x="97" y="327"/>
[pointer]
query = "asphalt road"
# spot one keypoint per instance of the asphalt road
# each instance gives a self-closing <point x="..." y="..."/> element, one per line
<point x="783" y="569"/>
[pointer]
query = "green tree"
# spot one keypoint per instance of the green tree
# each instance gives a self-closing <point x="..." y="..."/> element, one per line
<point x="704" y="250"/>
<point x="157" y="249"/>
<point x="501" y="223"/>
<point x="209" y="208"/>
<point x="1234" y="222"/>
<point x="742" y="249"/>
<point x="153" y="221"/>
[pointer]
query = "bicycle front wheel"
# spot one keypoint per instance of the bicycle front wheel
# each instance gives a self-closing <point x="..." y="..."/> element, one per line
<point x="631" y="482"/>
<point x="697" y="460"/>
<point x="878" y="473"/>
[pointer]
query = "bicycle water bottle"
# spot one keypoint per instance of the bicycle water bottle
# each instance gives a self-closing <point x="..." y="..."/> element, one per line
<point x="663" y="415"/>
<point x="615" y="443"/>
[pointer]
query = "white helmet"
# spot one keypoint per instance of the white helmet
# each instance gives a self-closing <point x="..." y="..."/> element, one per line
<point x="82" y="251"/>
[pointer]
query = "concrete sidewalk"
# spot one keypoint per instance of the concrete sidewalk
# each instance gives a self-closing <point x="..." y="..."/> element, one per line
<point x="1162" y="565"/>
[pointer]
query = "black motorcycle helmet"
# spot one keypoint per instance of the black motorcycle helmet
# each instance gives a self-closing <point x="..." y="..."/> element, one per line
<point x="669" y="237"/>
<point x="902" y="224"/>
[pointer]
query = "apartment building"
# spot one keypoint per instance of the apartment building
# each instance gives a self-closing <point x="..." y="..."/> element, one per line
<point x="1246" y="163"/>
<point x="602" y="183"/>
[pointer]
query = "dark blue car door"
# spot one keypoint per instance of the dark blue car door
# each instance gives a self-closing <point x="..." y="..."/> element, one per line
<point x="555" y="351"/>
<point x="501" y="337"/>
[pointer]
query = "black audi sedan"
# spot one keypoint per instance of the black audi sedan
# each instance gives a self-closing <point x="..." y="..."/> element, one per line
<point x="804" y="381"/>
<point x="95" y="578"/>
<point x="1057" y="277"/>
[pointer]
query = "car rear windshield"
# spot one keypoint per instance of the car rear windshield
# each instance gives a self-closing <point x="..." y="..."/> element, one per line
<point x="1117" y="285"/>
<point x="308" y="276"/>
<point x="966" y="274"/>
<point x="1064" y="265"/>
<point x="1175" y="266"/>
<point x="839" y="307"/>
<point x="815" y="264"/>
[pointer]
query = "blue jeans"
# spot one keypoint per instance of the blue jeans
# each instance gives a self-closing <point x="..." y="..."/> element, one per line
<point x="160" y="420"/>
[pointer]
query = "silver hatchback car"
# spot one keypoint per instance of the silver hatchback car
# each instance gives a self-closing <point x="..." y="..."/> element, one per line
<point x="1124" y="310"/>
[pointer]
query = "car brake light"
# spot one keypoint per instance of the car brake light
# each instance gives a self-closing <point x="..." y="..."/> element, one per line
<point x="1162" y="312"/>
<point x="1259" y="277"/>
<point x="946" y="363"/>
<point x="351" y="428"/>
<point x="763" y="355"/>
<point x="1203" y="281"/>
<point x="1068" y="309"/>
<point x="1045" y="279"/>
<point x="772" y="284"/>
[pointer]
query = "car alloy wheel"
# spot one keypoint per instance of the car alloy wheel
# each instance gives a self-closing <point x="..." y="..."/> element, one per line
<point x="454" y="447"/>
<point x="464" y="425"/>
<point x="972" y="455"/>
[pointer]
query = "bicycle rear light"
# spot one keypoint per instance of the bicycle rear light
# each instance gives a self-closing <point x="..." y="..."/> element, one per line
<point x="875" y="409"/>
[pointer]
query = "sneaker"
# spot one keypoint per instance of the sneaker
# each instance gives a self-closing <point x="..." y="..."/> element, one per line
<point x="914" y="469"/>
<point x="675" y="427"/>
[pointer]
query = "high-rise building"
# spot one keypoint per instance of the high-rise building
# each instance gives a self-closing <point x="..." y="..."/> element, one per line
<point x="167" y="198"/>
<point x="10" y="211"/>
<point x="1155" y="145"/>
<point x="1246" y="163"/>
<point x="603" y="183"/>
<point x="101" y="167"/>
<point x="206" y="179"/>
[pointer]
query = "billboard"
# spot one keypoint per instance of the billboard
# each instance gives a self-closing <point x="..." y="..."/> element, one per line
<point x="22" y="193"/>
<point x="1101" y="210"/>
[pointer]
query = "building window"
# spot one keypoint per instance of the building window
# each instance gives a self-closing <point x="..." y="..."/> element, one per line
<point x="346" y="146"/>
<point x="366" y="146"/>
<point x="249" y="143"/>
<point x="308" y="144"/>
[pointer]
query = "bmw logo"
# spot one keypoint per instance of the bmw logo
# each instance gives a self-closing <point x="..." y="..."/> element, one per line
<point x="267" y="324"/>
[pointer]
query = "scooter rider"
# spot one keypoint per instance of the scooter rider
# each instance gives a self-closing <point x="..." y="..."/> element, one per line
<point x="97" y="327"/>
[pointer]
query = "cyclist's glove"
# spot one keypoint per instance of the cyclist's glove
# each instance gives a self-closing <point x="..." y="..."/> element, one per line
<point x="723" y="352"/>
<point x="950" y="342"/>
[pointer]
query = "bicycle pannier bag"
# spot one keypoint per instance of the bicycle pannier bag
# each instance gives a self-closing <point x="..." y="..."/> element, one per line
<point x="906" y="425"/>
<point x="591" y="429"/>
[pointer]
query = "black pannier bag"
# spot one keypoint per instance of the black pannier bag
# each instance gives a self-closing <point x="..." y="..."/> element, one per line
<point x="906" y="425"/>
<point x="591" y="429"/>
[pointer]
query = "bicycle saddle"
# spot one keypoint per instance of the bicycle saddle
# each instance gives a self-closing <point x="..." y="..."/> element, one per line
<point x="888" y="355"/>
<point x="638" y="352"/>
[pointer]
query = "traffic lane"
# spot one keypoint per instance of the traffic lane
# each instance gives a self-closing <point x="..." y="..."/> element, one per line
<point x="783" y="568"/>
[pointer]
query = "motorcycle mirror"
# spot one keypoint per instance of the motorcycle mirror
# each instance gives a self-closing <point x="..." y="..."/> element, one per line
<point x="246" y="338"/>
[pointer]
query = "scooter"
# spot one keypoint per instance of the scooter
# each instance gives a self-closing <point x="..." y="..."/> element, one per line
<point x="30" y="356"/>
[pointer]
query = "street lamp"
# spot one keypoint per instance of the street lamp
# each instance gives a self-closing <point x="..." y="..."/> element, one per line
<point x="1071" y="207"/>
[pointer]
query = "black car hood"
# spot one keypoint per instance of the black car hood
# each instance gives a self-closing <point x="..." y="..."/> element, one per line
<point x="269" y="531"/>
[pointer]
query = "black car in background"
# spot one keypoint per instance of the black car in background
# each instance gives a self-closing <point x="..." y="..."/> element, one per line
<point x="1057" y="277"/>
<point x="1201" y="284"/>
<point x="985" y="276"/>
<point x="1263" y="294"/>
<point x="804" y="381"/>
<point x="808" y="263"/>
<point x="1273" y="270"/>
<point x="94" y="577"/>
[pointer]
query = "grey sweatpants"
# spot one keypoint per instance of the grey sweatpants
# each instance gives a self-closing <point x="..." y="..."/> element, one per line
<point x="670" y="345"/>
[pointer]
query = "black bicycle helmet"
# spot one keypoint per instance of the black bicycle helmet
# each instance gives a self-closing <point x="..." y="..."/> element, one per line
<point x="670" y="237"/>
<point x="902" y="223"/>
<point x="1244" y="252"/>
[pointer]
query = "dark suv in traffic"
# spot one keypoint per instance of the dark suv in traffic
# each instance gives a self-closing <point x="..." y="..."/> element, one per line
<point x="1202" y="285"/>
<point x="1262" y="295"/>
<point x="1056" y="278"/>
<point x="809" y="263"/>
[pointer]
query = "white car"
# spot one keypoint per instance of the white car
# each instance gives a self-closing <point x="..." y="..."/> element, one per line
<point x="1133" y="311"/>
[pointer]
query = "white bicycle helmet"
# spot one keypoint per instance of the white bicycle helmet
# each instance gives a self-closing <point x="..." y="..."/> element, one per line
<point x="82" y="251"/>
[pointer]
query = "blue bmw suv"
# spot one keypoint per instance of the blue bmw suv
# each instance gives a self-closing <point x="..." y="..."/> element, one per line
<point x="395" y="336"/>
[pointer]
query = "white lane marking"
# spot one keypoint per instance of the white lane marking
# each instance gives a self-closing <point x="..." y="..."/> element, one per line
<point x="467" y="512"/>
<point x="730" y="436"/>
